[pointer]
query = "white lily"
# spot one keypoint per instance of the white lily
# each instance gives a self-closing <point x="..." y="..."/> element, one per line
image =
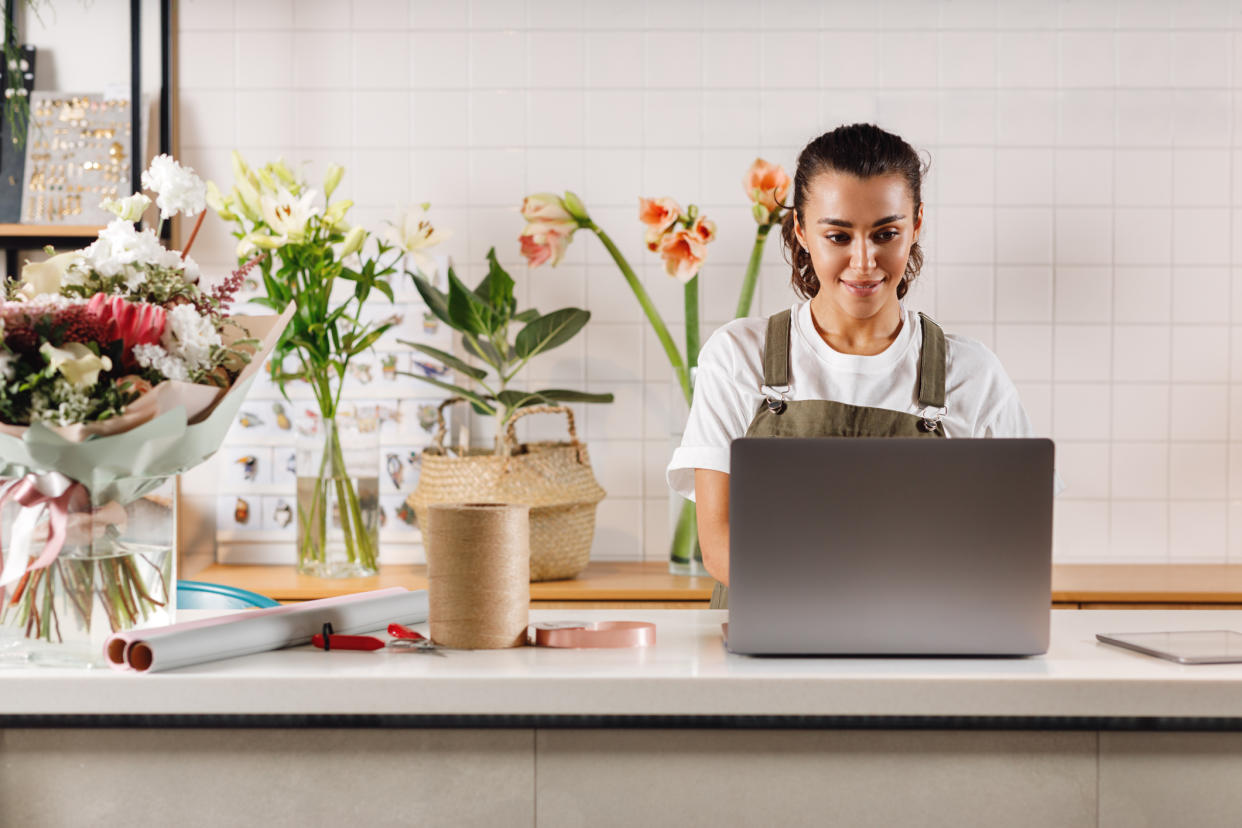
<point x="414" y="233"/>
<point x="286" y="214"/>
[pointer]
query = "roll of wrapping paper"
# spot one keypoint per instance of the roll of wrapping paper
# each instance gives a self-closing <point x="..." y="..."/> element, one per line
<point x="478" y="573"/>
<point x="180" y="645"/>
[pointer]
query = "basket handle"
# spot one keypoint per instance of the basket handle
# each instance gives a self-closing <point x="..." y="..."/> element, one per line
<point x="441" y="426"/>
<point x="511" y="435"/>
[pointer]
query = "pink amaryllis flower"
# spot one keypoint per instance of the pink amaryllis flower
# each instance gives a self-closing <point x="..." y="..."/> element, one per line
<point x="766" y="184"/>
<point x="134" y="323"/>
<point x="704" y="229"/>
<point x="658" y="214"/>
<point x="683" y="253"/>
<point x="545" y="243"/>
<point x="546" y="208"/>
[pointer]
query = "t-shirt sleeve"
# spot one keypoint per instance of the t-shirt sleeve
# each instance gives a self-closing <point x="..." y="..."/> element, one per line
<point x="721" y="411"/>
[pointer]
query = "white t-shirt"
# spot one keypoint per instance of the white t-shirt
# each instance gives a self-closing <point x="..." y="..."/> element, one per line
<point x="980" y="399"/>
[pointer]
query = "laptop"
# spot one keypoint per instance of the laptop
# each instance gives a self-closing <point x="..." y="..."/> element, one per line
<point x="890" y="546"/>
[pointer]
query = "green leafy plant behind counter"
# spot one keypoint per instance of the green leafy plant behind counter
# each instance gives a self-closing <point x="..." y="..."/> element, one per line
<point x="486" y="318"/>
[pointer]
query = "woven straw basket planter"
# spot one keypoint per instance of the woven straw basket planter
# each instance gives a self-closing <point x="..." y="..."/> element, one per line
<point x="553" y="478"/>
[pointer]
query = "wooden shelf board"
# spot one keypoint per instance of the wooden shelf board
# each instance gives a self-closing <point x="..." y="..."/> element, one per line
<point x="49" y="230"/>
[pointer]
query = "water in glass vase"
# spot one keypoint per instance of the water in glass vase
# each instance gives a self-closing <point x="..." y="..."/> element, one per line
<point x="338" y="498"/>
<point x="115" y="572"/>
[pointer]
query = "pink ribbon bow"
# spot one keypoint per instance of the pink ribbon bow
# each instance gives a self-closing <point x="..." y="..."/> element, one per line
<point x="28" y="495"/>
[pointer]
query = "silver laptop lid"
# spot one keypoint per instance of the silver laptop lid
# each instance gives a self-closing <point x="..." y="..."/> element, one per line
<point x="890" y="546"/>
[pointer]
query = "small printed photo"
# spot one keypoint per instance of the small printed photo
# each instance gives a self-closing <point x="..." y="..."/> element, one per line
<point x="245" y="467"/>
<point x="389" y="413"/>
<point x="418" y="419"/>
<point x="239" y="512"/>
<point x="360" y="377"/>
<point x="397" y="518"/>
<point x="399" y="467"/>
<point x="285" y="468"/>
<point x="279" y="513"/>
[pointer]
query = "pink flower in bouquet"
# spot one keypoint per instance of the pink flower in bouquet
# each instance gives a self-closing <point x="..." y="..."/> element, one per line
<point x="766" y="184"/>
<point x="659" y="214"/>
<point x="134" y="323"/>
<point x="683" y="253"/>
<point x="545" y="243"/>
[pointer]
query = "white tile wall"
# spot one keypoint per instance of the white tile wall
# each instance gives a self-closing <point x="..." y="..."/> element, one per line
<point x="1081" y="216"/>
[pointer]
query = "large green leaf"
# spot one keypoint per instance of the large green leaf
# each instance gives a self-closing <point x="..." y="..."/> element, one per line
<point x="512" y="398"/>
<point x="496" y="290"/>
<point x="467" y="311"/>
<point x="547" y="332"/>
<point x="528" y="315"/>
<point x="448" y="359"/>
<point x="484" y="350"/>
<point x="436" y="301"/>
<point x="477" y="400"/>
<point x="564" y="395"/>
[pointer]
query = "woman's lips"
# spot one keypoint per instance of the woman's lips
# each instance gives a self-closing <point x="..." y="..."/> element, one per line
<point x="867" y="288"/>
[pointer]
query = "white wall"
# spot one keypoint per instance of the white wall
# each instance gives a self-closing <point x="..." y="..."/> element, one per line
<point x="1080" y="209"/>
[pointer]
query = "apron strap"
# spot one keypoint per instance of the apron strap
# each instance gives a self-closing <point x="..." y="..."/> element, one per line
<point x="932" y="364"/>
<point x="776" y="351"/>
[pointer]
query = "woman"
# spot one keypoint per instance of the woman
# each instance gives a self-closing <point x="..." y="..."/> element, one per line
<point x="850" y="361"/>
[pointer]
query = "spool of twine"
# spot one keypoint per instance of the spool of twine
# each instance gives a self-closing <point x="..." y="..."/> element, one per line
<point x="478" y="572"/>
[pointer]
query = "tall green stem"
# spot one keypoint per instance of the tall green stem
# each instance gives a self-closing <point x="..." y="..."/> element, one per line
<point x="692" y="322"/>
<point x="752" y="272"/>
<point x="653" y="315"/>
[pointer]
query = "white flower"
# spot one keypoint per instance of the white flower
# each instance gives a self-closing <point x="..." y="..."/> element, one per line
<point x="8" y="365"/>
<point x="46" y="277"/>
<point x="286" y="214"/>
<point x="76" y="363"/>
<point x="155" y="357"/>
<point x="178" y="188"/>
<point x="63" y="405"/>
<point x="120" y="246"/>
<point x="190" y="337"/>
<point x="414" y="234"/>
<point x="128" y="209"/>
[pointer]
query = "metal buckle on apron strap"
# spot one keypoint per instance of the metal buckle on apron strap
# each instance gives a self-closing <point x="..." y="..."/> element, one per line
<point x="775" y="398"/>
<point x="931" y="418"/>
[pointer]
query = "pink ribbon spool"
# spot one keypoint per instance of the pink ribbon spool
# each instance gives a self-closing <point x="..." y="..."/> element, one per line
<point x="587" y="635"/>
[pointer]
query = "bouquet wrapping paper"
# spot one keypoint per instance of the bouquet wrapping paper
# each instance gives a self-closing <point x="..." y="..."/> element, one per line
<point x="194" y="642"/>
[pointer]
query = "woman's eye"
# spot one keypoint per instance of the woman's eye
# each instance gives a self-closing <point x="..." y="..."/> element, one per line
<point x="887" y="235"/>
<point x="837" y="238"/>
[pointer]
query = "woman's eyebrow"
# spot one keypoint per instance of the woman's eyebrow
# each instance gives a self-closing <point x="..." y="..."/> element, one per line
<point x="843" y="223"/>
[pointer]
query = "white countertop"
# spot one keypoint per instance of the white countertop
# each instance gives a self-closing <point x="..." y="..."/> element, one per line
<point x="688" y="672"/>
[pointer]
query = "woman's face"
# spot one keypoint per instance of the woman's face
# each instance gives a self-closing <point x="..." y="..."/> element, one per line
<point x="859" y="232"/>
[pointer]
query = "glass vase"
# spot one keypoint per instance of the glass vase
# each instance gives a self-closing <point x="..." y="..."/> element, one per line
<point x="338" y="496"/>
<point x="115" y="572"/>
<point x="685" y="556"/>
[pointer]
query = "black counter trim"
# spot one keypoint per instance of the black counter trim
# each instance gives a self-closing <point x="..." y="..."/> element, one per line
<point x="269" y="721"/>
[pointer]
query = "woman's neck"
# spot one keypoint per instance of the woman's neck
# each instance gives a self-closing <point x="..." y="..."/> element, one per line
<point x="854" y="335"/>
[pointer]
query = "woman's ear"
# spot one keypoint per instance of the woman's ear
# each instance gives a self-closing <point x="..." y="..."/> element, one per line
<point x="918" y="222"/>
<point x="798" y="234"/>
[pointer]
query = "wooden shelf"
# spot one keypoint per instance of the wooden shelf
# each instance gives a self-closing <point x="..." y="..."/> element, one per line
<point x="600" y="581"/>
<point x="49" y="231"/>
<point x="612" y="583"/>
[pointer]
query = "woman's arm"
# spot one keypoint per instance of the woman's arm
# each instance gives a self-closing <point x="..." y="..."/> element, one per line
<point x="711" y="495"/>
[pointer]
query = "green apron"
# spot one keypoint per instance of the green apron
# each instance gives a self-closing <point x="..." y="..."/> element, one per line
<point x="778" y="417"/>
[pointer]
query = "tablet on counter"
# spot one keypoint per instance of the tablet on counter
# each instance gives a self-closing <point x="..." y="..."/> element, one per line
<point x="1182" y="646"/>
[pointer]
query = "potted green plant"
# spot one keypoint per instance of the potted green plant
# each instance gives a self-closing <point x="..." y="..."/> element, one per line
<point x="553" y="478"/>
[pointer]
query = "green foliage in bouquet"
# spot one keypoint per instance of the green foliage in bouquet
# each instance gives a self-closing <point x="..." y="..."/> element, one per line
<point x="484" y="317"/>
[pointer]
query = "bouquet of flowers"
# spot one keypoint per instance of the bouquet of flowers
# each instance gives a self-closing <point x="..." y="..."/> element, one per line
<point x="117" y="371"/>
<point x="680" y="237"/>
<point x="323" y="270"/>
